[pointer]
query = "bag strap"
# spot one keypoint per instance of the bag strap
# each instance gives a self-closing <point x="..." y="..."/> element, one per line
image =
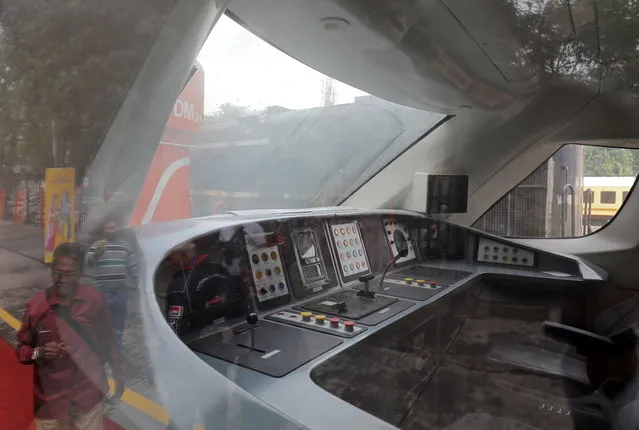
<point x="63" y="312"/>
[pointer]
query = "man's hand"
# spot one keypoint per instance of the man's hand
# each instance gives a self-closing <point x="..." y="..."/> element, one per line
<point x="53" y="350"/>
<point x="114" y="399"/>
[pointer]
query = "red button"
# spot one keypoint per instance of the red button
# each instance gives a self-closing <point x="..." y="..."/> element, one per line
<point x="432" y="283"/>
<point x="334" y="322"/>
<point x="349" y="325"/>
<point x="293" y="316"/>
<point x="281" y="313"/>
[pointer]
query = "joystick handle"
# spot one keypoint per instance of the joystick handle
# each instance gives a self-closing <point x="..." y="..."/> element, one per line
<point x="366" y="292"/>
<point x="366" y="278"/>
<point x="251" y="318"/>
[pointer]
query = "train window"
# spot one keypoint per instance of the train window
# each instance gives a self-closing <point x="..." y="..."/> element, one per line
<point x="572" y="194"/>
<point x="608" y="197"/>
<point x="278" y="133"/>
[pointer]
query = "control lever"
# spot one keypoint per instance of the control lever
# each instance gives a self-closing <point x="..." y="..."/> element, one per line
<point x="401" y="253"/>
<point x="251" y="319"/>
<point x="366" y="292"/>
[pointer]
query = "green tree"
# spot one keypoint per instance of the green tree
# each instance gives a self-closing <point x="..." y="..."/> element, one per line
<point x="67" y="66"/>
<point x="227" y="111"/>
<point x="602" y="161"/>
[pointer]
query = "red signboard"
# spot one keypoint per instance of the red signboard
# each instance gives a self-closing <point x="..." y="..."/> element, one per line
<point x="188" y="111"/>
<point x="20" y="206"/>
<point x="166" y="195"/>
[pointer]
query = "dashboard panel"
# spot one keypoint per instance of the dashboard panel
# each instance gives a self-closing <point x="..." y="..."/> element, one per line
<point x="325" y="285"/>
<point x="349" y="250"/>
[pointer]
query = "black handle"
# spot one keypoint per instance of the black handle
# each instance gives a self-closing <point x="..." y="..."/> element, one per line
<point x="366" y="278"/>
<point x="252" y="318"/>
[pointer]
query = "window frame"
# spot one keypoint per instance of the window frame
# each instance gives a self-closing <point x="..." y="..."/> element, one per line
<point x="610" y="221"/>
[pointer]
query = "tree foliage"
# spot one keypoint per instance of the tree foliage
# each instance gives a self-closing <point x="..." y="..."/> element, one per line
<point x="67" y="65"/>
<point x="227" y="111"/>
<point x="602" y="161"/>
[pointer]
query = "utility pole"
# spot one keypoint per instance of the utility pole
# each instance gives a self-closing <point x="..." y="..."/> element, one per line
<point x="328" y="91"/>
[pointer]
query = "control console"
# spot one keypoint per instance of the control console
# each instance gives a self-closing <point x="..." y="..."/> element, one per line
<point x="490" y="251"/>
<point x="349" y="285"/>
<point x="266" y="347"/>
<point x="318" y="322"/>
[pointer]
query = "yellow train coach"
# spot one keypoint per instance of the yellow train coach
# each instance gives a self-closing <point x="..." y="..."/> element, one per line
<point x="608" y="194"/>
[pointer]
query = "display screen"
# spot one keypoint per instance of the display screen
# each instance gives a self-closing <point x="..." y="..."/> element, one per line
<point x="309" y="257"/>
<point x="447" y="194"/>
<point x="349" y="247"/>
<point x="312" y="272"/>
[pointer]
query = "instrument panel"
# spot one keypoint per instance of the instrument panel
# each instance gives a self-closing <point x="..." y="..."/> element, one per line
<point x="313" y="275"/>
<point x="349" y="249"/>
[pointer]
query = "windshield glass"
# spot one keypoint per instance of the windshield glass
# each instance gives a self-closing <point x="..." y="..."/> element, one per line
<point x="278" y="134"/>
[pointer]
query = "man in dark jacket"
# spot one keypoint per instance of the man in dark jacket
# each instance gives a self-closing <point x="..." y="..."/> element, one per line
<point x="200" y="293"/>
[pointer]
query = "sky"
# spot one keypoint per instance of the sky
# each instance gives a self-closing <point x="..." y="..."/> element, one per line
<point x="242" y="69"/>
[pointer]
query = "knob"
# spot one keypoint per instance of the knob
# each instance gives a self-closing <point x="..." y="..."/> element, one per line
<point x="262" y="291"/>
<point x="420" y="282"/>
<point x="349" y="325"/>
<point x="319" y="319"/>
<point x="334" y="322"/>
<point x="252" y="318"/>
<point x="271" y="288"/>
<point x="306" y="316"/>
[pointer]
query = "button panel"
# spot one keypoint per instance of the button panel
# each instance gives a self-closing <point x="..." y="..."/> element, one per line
<point x="318" y="322"/>
<point x="490" y="251"/>
<point x="268" y="276"/>
<point x="350" y="248"/>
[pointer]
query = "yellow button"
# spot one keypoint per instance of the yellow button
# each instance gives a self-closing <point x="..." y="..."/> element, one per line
<point x="306" y="315"/>
<point x="409" y="280"/>
<point x="320" y="318"/>
<point x="420" y="282"/>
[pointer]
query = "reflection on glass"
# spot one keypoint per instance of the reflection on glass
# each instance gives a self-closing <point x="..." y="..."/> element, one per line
<point x="306" y="245"/>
